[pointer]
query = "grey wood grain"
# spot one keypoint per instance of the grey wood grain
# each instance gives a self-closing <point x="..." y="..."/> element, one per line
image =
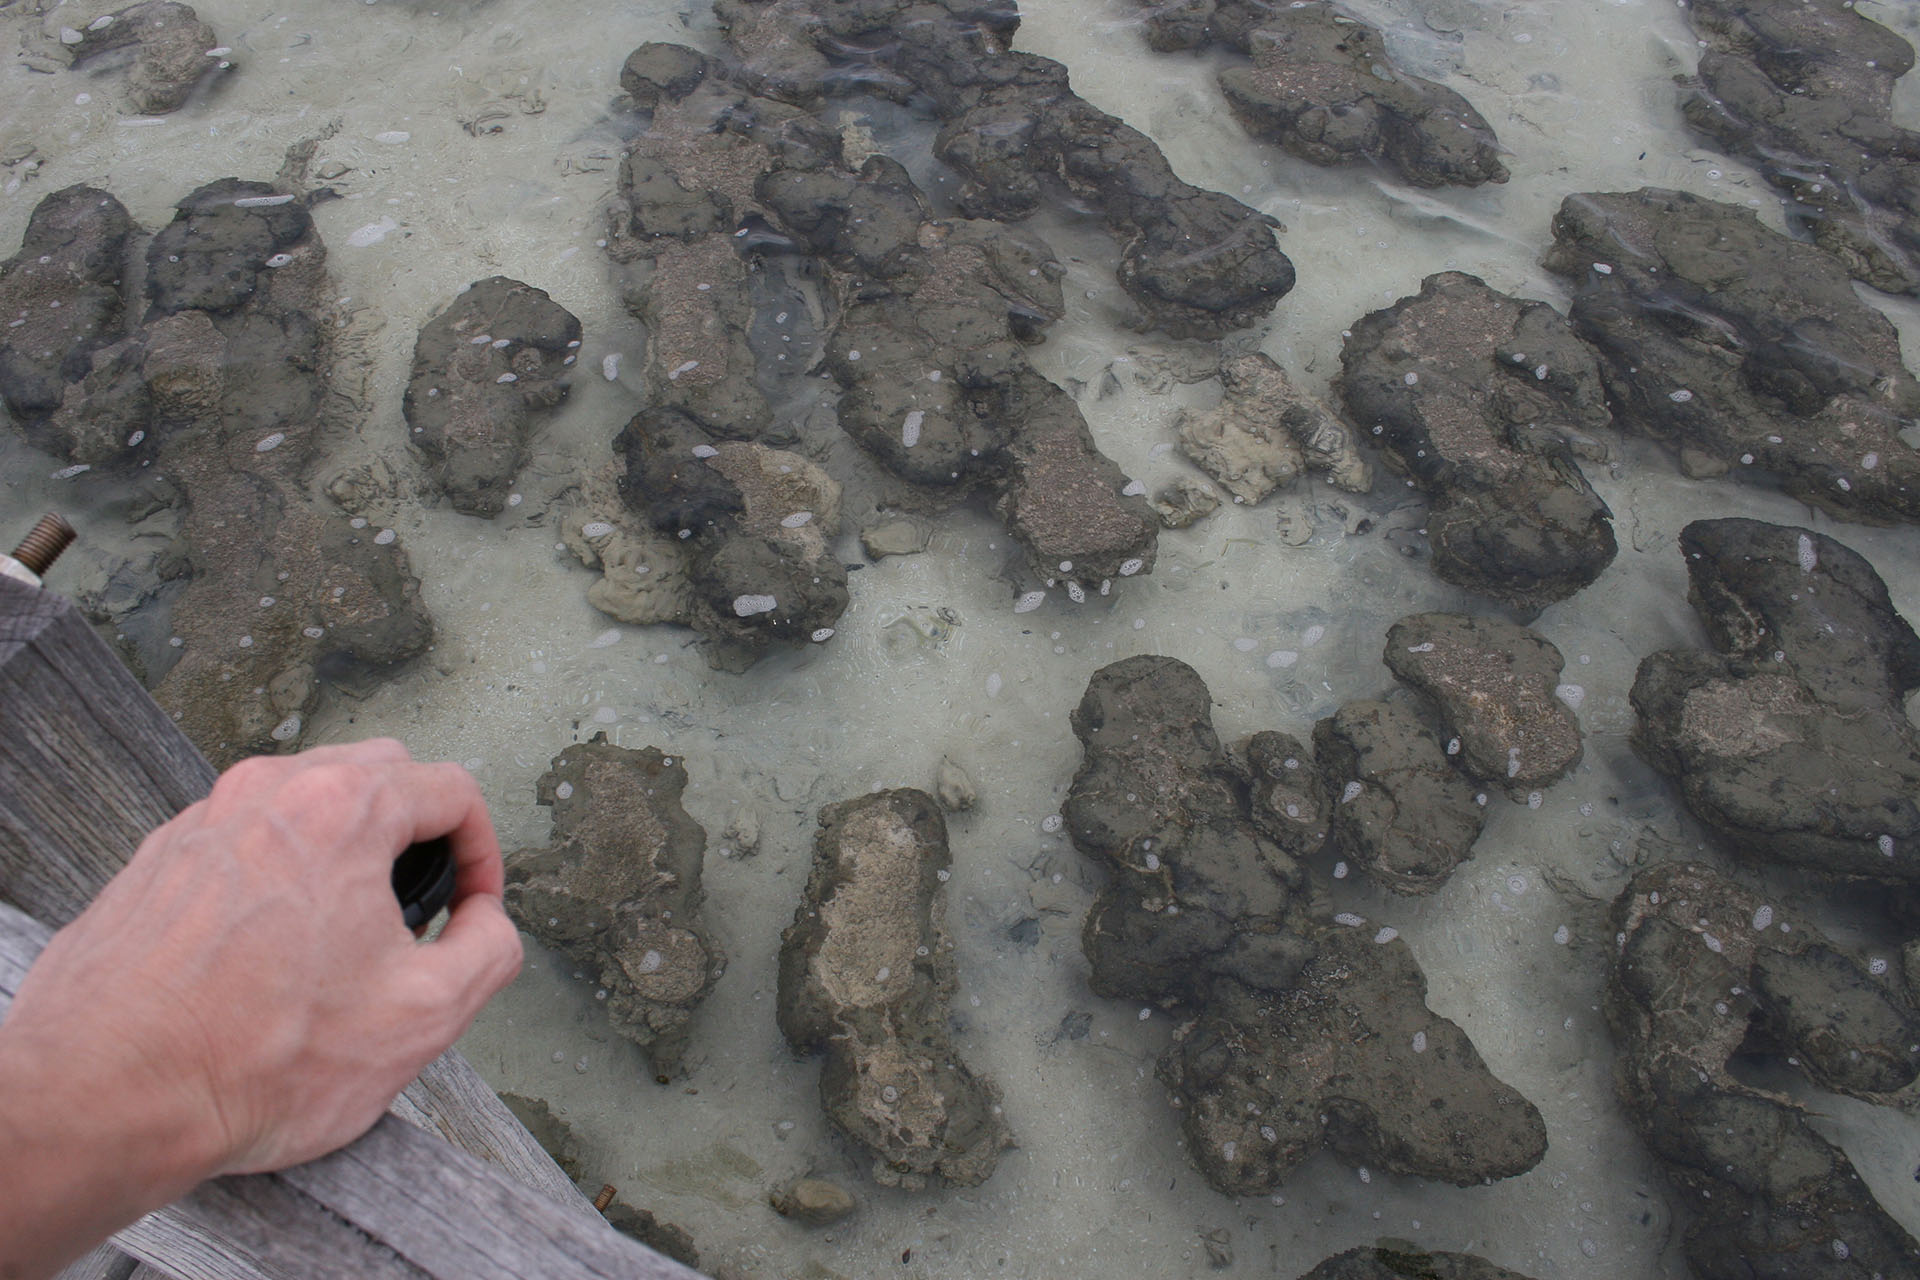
<point x="106" y="1263"/>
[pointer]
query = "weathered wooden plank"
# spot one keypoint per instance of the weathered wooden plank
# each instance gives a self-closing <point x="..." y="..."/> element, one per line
<point x="107" y="1263"/>
<point x="396" y="1204"/>
<point x="89" y="764"/>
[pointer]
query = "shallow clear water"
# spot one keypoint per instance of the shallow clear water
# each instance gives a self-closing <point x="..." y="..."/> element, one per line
<point x="1580" y="92"/>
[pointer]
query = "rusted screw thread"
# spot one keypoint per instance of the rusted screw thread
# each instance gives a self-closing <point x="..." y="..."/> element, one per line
<point x="605" y="1197"/>
<point x="43" y="546"/>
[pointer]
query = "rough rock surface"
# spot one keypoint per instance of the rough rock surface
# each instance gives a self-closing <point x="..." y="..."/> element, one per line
<point x="1403" y="813"/>
<point x="933" y="317"/>
<point x="219" y="394"/>
<point x="927" y="321"/>
<point x="1265" y="432"/>
<point x="483" y="370"/>
<point x="1804" y="93"/>
<point x="618" y="890"/>
<point x="1485" y="401"/>
<point x="736" y="538"/>
<point x="1791" y="739"/>
<point x="1703" y="971"/>
<point x="1322" y="86"/>
<point x="866" y="977"/>
<point x="1196" y="263"/>
<point x="1742" y="349"/>
<point x="1386" y="1263"/>
<point x="171" y="51"/>
<point x="1495" y="683"/>
<point x="1299" y="1031"/>
<point x="1349" y="1056"/>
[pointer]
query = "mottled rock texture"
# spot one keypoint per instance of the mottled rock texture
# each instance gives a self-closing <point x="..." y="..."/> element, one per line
<point x="1401" y="812"/>
<point x="1195" y="263"/>
<point x="1704" y="971"/>
<point x="1323" y="87"/>
<point x="618" y="889"/>
<point x="1296" y="1031"/>
<point x="1486" y="401"/>
<point x="219" y="395"/>
<point x="1790" y="738"/>
<point x="1804" y="93"/>
<point x="1744" y="350"/>
<point x="866" y="978"/>
<point x="1265" y="432"/>
<point x="484" y="371"/>
<point x="1495" y="685"/>
<point x="171" y="50"/>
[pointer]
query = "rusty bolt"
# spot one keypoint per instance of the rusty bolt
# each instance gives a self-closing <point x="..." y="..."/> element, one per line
<point x="44" y="544"/>
<point x="605" y="1197"/>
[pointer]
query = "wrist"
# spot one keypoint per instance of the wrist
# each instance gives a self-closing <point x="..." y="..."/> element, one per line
<point x="95" y="1138"/>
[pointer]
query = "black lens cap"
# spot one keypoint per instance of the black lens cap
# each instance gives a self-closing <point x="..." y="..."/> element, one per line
<point x="423" y="880"/>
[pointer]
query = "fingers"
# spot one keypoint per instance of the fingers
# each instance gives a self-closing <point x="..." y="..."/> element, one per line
<point x="450" y="804"/>
<point x="476" y="955"/>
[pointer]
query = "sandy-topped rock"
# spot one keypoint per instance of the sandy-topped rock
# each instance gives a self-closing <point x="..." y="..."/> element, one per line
<point x="867" y="978"/>
<point x="1495" y="683"/>
<point x="618" y="889"/>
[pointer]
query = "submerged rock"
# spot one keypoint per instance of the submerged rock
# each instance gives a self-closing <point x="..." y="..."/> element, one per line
<point x="1804" y="93"/>
<point x="1791" y="739"/>
<point x="1349" y="1056"/>
<point x="1485" y="401"/>
<point x="1495" y="683"/>
<point x="1297" y="1031"/>
<point x="1395" y="1263"/>
<point x="1704" y="971"/>
<point x="867" y="978"/>
<point x="173" y="50"/>
<point x="483" y="369"/>
<point x="1741" y="348"/>
<point x="1322" y="86"/>
<point x="928" y="344"/>
<point x="1196" y="263"/>
<point x="1404" y="814"/>
<point x="220" y="390"/>
<point x="815" y="1202"/>
<point x="736" y="539"/>
<point x="1265" y="432"/>
<point x="618" y="890"/>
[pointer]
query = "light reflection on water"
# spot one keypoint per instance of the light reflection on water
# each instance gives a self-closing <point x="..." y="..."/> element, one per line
<point x="480" y="140"/>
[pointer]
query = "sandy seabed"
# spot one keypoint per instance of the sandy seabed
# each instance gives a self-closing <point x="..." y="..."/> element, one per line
<point x="1580" y="93"/>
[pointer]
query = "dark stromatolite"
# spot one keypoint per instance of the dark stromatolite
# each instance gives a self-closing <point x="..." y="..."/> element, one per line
<point x="483" y="369"/>
<point x="1804" y="92"/>
<point x="1741" y="348"/>
<point x="1322" y="86"/>
<point x="618" y="889"/>
<point x="867" y="978"/>
<point x="1791" y="739"/>
<point x="221" y="390"/>
<point x="1704" y="971"/>
<point x="1401" y="812"/>
<point x="1297" y="1031"/>
<point x="1486" y="401"/>
<point x="1197" y="263"/>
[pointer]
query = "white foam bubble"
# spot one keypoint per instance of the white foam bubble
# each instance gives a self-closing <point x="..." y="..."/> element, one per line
<point x="1029" y="602"/>
<point x="610" y="366"/>
<point x="795" y="520"/>
<point x="748" y="605"/>
<point x="372" y="233"/>
<point x="595" y="529"/>
<point x="910" y="429"/>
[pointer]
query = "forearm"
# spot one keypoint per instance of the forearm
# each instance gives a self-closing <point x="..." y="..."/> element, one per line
<point x="88" y="1143"/>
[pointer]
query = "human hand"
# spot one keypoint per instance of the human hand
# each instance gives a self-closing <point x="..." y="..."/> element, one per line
<point x="250" y="969"/>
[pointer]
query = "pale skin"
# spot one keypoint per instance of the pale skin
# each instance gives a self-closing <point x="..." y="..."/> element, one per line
<point x="243" y="996"/>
